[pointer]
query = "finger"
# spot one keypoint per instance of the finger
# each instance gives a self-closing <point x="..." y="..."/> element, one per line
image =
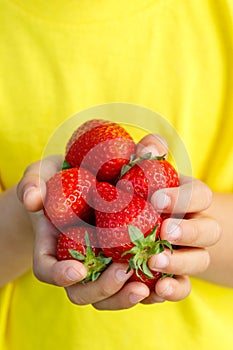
<point x="191" y="196"/>
<point x="31" y="192"/>
<point x="153" y="298"/>
<point x="199" y="231"/>
<point x="45" y="265"/>
<point x="131" y="294"/>
<point x="153" y="143"/>
<point x="184" y="261"/>
<point x="173" y="289"/>
<point x="170" y="289"/>
<point x="31" y="189"/>
<point x="109" y="283"/>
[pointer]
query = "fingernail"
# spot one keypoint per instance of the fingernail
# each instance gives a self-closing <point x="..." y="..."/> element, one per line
<point x="73" y="274"/>
<point x="28" y="192"/>
<point x="150" y="149"/>
<point x="160" y="261"/>
<point x="160" y="200"/>
<point x="173" y="231"/>
<point x="121" y="275"/>
<point x="135" y="298"/>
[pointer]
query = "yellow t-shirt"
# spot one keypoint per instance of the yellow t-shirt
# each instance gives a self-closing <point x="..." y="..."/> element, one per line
<point x="60" y="57"/>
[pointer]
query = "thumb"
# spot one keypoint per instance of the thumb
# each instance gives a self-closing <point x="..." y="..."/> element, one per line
<point x="31" y="192"/>
<point x="153" y="143"/>
<point x="31" y="189"/>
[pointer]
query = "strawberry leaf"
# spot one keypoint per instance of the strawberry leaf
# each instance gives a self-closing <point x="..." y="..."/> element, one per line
<point x="144" y="157"/>
<point x="89" y="250"/>
<point x="151" y="237"/>
<point x="65" y="165"/>
<point x="145" y="269"/>
<point x="166" y="243"/>
<point x="95" y="265"/>
<point x="124" y="169"/>
<point x="76" y="255"/>
<point x="132" y="157"/>
<point x="144" y="248"/>
<point x="135" y="234"/>
<point x="132" y="251"/>
<point x="164" y="275"/>
<point x="95" y="275"/>
<point x="104" y="259"/>
<point x="134" y="160"/>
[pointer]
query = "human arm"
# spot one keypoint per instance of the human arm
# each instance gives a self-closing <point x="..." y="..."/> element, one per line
<point x="16" y="231"/>
<point x="16" y="238"/>
<point x="220" y="269"/>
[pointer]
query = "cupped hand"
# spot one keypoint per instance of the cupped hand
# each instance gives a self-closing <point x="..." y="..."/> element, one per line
<point x="109" y="291"/>
<point x="187" y="228"/>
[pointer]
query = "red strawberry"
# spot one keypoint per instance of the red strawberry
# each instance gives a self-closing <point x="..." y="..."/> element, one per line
<point x="145" y="175"/>
<point x="114" y="211"/>
<point x="80" y="243"/>
<point x="67" y="197"/>
<point x="101" y="146"/>
<point x="73" y="238"/>
<point x="127" y="226"/>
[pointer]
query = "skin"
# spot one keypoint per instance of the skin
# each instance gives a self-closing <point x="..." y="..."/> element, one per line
<point x="205" y="228"/>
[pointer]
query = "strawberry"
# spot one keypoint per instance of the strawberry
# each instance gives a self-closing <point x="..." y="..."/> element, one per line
<point x="73" y="238"/>
<point x="67" y="197"/>
<point x="127" y="226"/>
<point x="145" y="175"/>
<point x="101" y="146"/>
<point x="80" y="243"/>
<point x="114" y="211"/>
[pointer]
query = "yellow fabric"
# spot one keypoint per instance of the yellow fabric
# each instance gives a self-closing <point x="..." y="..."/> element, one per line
<point x="60" y="57"/>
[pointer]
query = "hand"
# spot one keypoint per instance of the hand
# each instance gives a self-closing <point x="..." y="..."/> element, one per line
<point x="109" y="291"/>
<point x="189" y="229"/>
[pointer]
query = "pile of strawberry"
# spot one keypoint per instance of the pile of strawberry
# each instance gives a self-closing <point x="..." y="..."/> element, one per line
<point x="100" y="201"/>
